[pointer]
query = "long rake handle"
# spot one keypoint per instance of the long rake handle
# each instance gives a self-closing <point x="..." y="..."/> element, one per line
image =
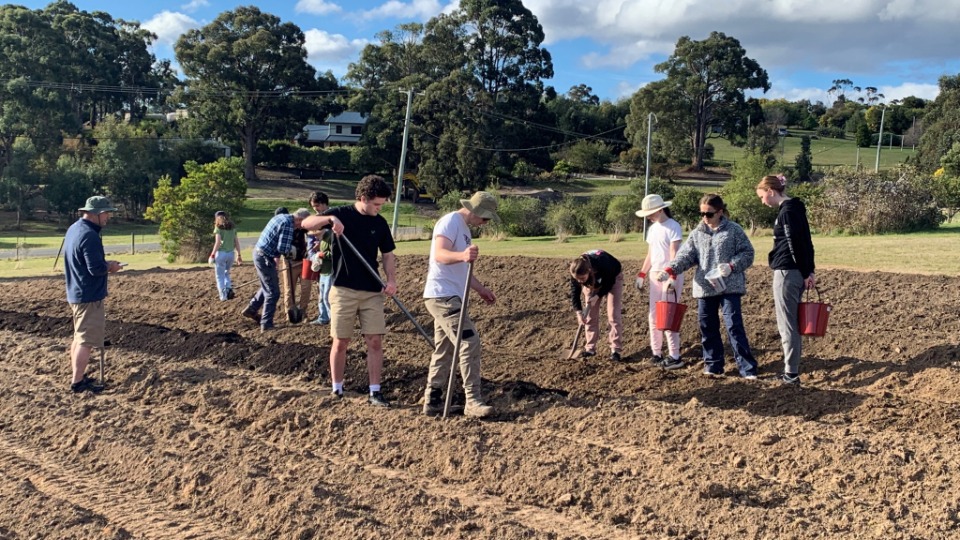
<point x="384" y="285"/>
<point x="459" y="341"/>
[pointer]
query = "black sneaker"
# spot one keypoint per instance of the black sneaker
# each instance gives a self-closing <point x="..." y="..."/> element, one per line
<point x="337" y="394"/>
<point x="672" y="363"/>
<point x="587" y="354"/>
<point x="656" y="360"/>
<point x="230" y="294"/>
<point x="792" y="379"/>
<point x="377" y="399"/>
<point x="86" y="385"/>
<point x="615" y="356"/>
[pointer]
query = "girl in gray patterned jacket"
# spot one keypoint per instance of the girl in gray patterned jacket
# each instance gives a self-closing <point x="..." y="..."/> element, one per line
<point x="717" y="243"/>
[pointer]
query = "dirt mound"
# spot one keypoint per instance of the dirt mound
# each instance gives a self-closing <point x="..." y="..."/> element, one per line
<point x="210" y="430"/>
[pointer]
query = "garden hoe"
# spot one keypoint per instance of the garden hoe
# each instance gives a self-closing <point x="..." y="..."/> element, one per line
<point x="580" y="328"/>
<point x="456" y="344"/>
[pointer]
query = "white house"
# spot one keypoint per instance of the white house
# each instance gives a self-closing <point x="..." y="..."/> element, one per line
<point x="343" y="129"/>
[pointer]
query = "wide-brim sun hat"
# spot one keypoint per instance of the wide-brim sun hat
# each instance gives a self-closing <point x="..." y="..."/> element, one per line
<point x="98" y="205"/>
<point x="482" y="204"/>
<point x="652" y="204"/>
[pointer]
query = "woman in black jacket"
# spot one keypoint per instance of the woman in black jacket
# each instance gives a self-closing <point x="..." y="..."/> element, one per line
<point x="791" y="260"/>
<point x="594" y="275"/>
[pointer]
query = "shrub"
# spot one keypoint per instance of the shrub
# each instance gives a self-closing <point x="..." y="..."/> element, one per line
<point x="860" y="202"/>
<point x="594" y="213"/>
<point x="686" y="206"/>
<point x="520" y="216"/>
<point x="621" y="213"/>
<point x="740" y="193"/>
<point x="185" y="212"/>
<point x="450" y="201"/>
<point x="563" y="218"/>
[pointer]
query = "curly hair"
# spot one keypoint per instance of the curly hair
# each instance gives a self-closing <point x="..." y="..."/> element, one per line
<point x="372" y="187"/>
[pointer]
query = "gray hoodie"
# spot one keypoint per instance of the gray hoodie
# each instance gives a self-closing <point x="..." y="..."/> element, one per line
<point x="705" y="248"/>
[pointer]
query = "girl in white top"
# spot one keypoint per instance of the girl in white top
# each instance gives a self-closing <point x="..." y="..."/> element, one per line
<point x="663" y="240"/>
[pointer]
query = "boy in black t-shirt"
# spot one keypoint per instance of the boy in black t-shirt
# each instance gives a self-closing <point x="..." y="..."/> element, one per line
<point x="355" y="291"/>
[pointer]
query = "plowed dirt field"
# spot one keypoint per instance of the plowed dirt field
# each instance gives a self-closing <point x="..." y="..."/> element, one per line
<point x="208" y="429"/>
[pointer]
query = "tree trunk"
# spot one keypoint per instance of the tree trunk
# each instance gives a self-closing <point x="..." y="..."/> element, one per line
<point x="248" y="140"/>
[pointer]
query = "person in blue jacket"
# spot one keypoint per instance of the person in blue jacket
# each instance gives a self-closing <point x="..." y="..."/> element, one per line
<point x="86" y="270"/>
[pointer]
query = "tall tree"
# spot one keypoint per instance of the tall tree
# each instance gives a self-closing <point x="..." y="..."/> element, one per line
<point x="245" y="77"/>
<point x="708" y="79"/>
<point x="941" y="124"/>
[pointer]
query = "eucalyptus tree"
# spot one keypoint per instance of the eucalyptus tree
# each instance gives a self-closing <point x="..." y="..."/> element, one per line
<point x="941" y="124"/>
<point x="704" y="87"/>
<point x="247" y="76"/>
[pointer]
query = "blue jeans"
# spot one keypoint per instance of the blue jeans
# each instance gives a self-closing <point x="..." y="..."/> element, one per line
<point x="324" y="300"/>
<point x="222" y="265"/>
<point x="708" y="310"/>
<point x="269" y="291"/>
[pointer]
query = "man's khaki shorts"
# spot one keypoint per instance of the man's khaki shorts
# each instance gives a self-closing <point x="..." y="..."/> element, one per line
<point x="346" y="304"/>
<point x="89" y="322"/>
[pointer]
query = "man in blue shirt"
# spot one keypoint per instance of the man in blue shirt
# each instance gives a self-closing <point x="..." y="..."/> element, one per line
<point x="86" y="269"/>
<point x="275" y="240"/>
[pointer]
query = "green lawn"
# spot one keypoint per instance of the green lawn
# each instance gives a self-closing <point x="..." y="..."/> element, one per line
<point x="826" y="152"/>
<point x="936" y="252"/>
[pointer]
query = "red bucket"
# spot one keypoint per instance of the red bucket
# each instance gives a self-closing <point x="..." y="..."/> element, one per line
<point x="813" y="317"/>
<point x="670" y="314"/>
<point x="307" y="273"/>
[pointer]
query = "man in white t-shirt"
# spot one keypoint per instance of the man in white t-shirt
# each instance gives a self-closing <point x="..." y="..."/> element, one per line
<point x="451" y="250"/>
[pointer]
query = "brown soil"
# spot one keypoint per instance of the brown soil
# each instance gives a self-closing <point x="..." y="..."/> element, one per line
<point x="209" y="430"/>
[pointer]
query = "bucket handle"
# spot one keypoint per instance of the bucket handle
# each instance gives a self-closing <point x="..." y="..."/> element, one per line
<point x="676" y="297"/>
<point x="806" y="294"/>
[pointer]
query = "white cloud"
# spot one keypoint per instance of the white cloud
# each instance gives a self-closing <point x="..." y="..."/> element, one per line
<point x="415" y="9"/>
<point x="326" y="48"/>
<point x="317" y="7"/>
<point x="194" y="5"/>
<point x="907" y="89"/>
<point x="169" y="26"/>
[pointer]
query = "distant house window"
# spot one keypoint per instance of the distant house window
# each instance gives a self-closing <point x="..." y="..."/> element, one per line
<point x="339" y="129"/>
<point x="354" y="130"/>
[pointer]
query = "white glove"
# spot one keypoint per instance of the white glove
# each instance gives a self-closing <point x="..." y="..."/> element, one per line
<point x="639" y="281"/>
<point x="725" y="269"/>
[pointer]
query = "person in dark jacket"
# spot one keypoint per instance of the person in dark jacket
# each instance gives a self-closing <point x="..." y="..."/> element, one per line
<point x="717" y="244"/>
<point x="86" y="270"/>
<point x="596" y="275"/>
<point x="791" y="260"/>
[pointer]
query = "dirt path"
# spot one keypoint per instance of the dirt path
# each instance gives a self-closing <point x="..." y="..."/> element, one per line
<point x="210" y="430"/>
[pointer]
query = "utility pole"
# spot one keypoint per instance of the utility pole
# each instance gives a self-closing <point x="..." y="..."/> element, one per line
<point x="403" y="160"/>
<point x="646" y="184"/>
<point x="883" y="113"/>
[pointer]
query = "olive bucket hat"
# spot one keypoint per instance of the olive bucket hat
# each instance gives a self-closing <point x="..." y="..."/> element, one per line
<point x="482" y="204"/>
<point x="98" y="205"/>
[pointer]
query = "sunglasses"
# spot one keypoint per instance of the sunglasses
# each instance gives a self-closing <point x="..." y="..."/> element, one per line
<point x="708" y="215"/>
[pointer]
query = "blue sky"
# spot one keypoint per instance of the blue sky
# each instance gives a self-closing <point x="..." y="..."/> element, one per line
<point x="899" y="46"/>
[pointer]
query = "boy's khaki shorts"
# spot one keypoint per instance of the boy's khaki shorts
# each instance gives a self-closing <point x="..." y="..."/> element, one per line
<point x="346" y="304"/>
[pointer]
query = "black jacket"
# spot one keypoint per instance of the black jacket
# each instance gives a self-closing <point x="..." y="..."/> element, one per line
<point x="606" y="268"/>
<point x="792" y="246"/>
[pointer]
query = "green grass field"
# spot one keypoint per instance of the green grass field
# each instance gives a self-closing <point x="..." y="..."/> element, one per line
<point x="827" y="153"/>
<point x="935" y="252"/>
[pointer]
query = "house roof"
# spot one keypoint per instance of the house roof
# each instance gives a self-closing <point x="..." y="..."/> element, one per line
<point x="348" y="117"/>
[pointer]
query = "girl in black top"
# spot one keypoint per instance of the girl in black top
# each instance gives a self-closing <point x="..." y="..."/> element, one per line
<point x="791" y="260"/>
<point x="593" y="276"/>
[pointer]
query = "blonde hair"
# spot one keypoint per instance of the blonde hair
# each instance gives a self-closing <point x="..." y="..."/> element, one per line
<point x="776" y="182"/>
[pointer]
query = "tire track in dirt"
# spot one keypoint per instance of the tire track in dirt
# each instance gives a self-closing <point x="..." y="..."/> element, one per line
<point x="141" y="515"/>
